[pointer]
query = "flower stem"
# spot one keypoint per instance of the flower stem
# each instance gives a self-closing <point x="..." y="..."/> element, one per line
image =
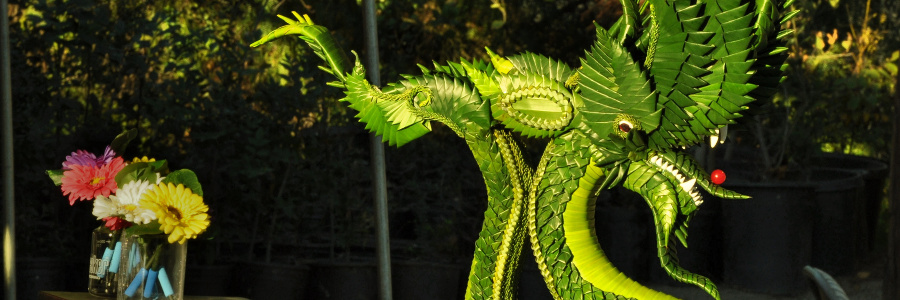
<point x="114" y="238"/>
<point x="153" y="262"/>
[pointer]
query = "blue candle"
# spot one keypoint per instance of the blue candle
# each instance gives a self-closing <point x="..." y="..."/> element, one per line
<point x="134" y="256"/>
<point x="116" y="258"/>
<point x="132" y="288"/>
<point x="164" y="282"/>
<point x="151" y="283"/>
<point x="104" y="262"/>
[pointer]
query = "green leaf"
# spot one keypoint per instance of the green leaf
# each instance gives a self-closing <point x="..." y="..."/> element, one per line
<point x="612" y="84"/>
<point x="482" y="76"/>
<point x="361" y="96"/>
<point x="187" y="178"/>
<point x="624" y="29"/>
<point x="159" y="166"/>
<point x="143" y="229"/>
<point x="457" y="100"/>
<point x="130" y="173"/>
<point x="533" y="105"/>
<point x="820" y="43"/>
<point x="846" y="44"/>
<point x="121" y="141"/>
<point x="891" y="68"/>
<point x="146" y="171"/>
<point x="542" y="65"/>
<point x="834" y="3"/>
<point x="317" y="37"/>
<point x="767" y="12"/>
<point x="56" y="176"/>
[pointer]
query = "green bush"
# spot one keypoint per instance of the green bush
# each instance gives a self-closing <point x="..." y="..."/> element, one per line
<point x="283" y="164"/>
<point x="837" y="96"/>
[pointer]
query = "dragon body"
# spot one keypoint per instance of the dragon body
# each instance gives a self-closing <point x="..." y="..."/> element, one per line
<point x="668" y="75"/>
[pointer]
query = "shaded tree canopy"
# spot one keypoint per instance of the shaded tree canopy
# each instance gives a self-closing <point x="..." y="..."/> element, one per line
<point x="281" y="160"/>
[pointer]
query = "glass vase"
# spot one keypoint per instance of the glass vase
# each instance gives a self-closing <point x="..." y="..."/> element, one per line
<point x="105" y="253"/>
<point x="151" y="268"/>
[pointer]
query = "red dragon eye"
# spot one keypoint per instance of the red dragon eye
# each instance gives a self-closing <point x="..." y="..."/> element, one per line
<point x="625" y="126"/>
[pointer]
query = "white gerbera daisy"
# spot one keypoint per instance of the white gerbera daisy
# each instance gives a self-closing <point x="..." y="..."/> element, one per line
<point x="129" y="199"/>
<point x="105" y="207"/>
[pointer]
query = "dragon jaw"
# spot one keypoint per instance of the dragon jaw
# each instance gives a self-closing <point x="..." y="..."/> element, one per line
<point x="670" y="183"/>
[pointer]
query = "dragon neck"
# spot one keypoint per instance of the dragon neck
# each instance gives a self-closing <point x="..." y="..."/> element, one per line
<point x="499" y="245"/>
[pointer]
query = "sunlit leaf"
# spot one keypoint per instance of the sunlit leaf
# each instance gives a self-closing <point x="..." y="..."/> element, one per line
<point x="187" y="178"/>
<point x="891" y="68"/>
<point x="56" y="176"/>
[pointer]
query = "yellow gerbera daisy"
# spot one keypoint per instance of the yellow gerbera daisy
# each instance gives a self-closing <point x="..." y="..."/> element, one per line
<point x="180" y="212"/>
<point x="143" y="159"/>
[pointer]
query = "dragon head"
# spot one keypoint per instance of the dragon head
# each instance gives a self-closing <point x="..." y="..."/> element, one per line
<point x="678" y="77"/>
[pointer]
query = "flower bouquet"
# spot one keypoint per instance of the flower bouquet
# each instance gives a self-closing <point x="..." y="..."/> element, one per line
<point x="153" y="210"/>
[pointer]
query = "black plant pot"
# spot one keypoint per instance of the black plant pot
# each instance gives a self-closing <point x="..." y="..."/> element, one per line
<point x="413" y="280"/>
<point x="875" y="173"/>
<point x="767" y="239"/>
<point x="34" y="275"/>
<point x="208" y="280"/>
<point x="271" y="281"/>
<point x="835" y="226"/>
<point x="343" y="280"/>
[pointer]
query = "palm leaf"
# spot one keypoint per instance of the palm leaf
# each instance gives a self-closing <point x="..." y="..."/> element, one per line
<point x="454" y="99"/>
<point x="728" y="82"/>
<point x="677" y="64"/>
<point x="612" y="84"/>
<point x="538" y="64"/>
<point x="770" y="65"/>
<point x="626" y="27"/>
<point x="318" y="38"/>
<point x="534" y="105"/>
<point x="362" y="97"/>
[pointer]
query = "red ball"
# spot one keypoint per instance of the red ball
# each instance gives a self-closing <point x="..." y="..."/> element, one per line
<point x="717" y="177"/>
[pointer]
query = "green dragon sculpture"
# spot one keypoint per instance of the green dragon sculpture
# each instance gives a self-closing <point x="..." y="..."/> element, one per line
<point x="667" y="75"/>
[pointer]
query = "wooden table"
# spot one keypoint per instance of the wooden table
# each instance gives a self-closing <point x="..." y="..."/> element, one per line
<point x="52" y="295"/>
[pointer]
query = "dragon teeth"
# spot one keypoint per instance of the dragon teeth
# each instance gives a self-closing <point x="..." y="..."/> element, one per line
<point x="718" y="137"/>
<point x="695" y="195"/>
<point x="723" y="132"/>
<point x="714" y="139"/>
<point x="688" y="186"/>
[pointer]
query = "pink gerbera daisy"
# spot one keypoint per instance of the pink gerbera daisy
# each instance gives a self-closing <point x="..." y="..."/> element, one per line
<point x="116" y="223"/>
<point x="85" y="183"/>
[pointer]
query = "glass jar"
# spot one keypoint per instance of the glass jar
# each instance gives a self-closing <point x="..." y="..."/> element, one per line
<point x="151" y="268"/>
<point x="105" y="252"/>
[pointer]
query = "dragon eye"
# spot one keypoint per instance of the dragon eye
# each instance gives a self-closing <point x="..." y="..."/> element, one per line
<point x="625" y="126"/>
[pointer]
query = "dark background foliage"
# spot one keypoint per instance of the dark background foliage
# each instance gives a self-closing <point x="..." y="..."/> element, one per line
<point x="284" y="166"/>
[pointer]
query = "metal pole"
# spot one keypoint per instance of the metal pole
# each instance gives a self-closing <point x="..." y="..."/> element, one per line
<point x="891" y="284"/>
<point x="383" y="246"/>
<point x="9" y="216"/>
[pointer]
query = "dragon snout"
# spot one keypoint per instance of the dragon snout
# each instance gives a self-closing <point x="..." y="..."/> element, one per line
<point x="689" y="175"/>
